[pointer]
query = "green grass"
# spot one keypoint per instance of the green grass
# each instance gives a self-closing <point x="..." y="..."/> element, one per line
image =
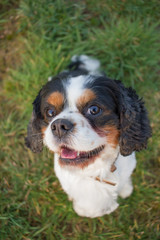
<point x="124" y="35"/>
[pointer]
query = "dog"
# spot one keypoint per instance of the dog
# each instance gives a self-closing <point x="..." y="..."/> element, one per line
<point x="94" y="125"/>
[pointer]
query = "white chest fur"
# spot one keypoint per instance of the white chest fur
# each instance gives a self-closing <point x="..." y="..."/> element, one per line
<point x="92" y="198"/>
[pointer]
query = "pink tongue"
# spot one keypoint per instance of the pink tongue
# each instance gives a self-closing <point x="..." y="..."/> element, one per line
<point x="67" y="153"/>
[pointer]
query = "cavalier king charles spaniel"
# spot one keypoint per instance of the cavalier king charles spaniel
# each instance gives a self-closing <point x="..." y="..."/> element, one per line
<point x="94" y="125"/>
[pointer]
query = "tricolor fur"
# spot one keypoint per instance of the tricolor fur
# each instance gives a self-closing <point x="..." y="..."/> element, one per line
<point x="93" y="124"/>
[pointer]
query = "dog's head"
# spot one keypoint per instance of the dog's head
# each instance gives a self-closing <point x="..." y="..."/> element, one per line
<point x="81" y="116"/>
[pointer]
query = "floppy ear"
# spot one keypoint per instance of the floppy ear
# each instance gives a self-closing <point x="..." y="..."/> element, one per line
<point x="34" y="139"/>
<point x="134" y="123"/>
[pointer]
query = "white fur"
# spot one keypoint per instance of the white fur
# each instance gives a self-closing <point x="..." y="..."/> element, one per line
<point x="90" y="197"/>
<point x="90" y="64"/>
<point x="50" y="78"/>
<point x="74" y="91"/>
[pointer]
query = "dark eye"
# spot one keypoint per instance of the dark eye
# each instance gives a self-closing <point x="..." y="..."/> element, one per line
<point x="50" y="113"/>
<point x="94" y="110"/>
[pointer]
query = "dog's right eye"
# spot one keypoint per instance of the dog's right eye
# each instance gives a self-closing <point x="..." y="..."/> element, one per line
<point x="50" y="112"/>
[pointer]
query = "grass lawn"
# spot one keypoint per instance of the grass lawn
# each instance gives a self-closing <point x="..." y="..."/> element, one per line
<point x="37" y="40"/>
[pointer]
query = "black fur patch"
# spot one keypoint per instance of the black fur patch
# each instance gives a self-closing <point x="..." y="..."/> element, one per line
<point x="34" y="139"/>
<point x="134" y="123"/>
<point x="128" y="113"/>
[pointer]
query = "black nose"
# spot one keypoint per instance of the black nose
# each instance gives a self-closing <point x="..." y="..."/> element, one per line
<point x="61" y="127"/>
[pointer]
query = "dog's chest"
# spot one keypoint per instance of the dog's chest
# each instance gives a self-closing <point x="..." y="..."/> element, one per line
<point x="76" y="183"/>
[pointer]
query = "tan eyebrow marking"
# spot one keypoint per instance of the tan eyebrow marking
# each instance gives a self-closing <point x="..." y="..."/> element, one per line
<point x="87" y="96"/>
<point x="56" y="99"/>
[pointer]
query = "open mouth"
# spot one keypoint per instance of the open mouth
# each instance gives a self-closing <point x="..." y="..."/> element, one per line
<point x="70" y="156"/>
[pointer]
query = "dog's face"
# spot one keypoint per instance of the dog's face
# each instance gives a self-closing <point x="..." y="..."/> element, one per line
<point x="81" y="117"/>
<point x="81" y="120"/>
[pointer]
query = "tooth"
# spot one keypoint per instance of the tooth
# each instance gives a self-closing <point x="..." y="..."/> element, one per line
<point x="78" y="154"/>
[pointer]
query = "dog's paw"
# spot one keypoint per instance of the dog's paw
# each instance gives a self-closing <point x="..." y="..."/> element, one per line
<point x="127" y="189"/>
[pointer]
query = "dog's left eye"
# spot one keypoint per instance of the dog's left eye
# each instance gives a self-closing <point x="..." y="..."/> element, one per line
<point x="94" y="110"/>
